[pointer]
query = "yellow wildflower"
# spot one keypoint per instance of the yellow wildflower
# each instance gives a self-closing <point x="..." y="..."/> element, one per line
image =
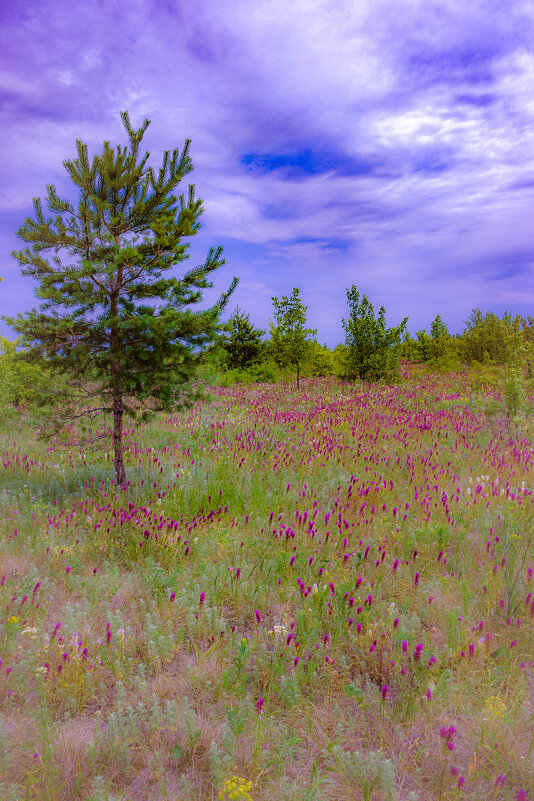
<point x="237" y="789"/>
<point x="494" y="707"/>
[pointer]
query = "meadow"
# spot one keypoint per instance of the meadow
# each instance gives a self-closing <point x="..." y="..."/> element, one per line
<point x="323" y="594"/>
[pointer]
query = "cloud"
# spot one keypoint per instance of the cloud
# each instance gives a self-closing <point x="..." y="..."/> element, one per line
<point x="387" y="144"/>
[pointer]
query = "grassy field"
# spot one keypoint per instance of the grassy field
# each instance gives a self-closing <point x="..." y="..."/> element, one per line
<point x="316" y="595"/>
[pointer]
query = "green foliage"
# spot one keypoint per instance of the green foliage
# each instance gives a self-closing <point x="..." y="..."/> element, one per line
<point x="513" y="391"/>
<point x="438" y="350"/>
<point x="340" y="356"/>
<point x="21" y="383"/>
<point x="488" y="337"/>
<point x="373" y="349"/>
<point x="108" y="316"/>
<point x="527" y="330"/>
<point x="368" y="771"/>
<point x="320" y="361"/>
<point x="243" y="343"/>
<point x="438" y="329"/>
<point x="262" y="373"/>
<point x="290" y="339"/>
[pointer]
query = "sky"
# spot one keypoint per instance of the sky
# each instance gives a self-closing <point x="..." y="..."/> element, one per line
<point x="386" y="143"/>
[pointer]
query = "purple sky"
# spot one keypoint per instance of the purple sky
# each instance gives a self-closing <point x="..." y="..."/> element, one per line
<point x="386" y="143"/>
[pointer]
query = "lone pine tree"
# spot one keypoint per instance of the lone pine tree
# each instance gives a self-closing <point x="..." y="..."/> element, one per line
<point x="109" y="316"/>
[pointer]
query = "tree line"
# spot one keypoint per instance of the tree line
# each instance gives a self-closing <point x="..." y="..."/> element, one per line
<point x="117" y="333"/>
<point x="371" y="350"/>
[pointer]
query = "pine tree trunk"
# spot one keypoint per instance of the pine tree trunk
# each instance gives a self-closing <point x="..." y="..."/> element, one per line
<point x="118" y="411"/>
<point x="118" y="406"/>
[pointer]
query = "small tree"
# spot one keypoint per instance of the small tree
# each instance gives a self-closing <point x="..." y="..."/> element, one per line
<point x="372" y="348"/>
<point x="243" y="343"/>
<point x="109" y="317"/>
<point x="290" y="340"/>
<point x="438" y="329"/>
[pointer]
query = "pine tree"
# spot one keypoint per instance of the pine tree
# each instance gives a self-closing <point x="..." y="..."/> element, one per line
<point x="109" y="316"/>
<point x="243" y="343"/>
<point x="372" y="347"/>
<point x="290" y="340"/>
<point x="438" y="329"/>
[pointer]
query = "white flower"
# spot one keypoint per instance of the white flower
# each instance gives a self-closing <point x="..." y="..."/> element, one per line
<point x="278" y="631"/>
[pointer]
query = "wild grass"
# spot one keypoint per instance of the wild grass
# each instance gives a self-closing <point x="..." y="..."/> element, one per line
<point x="324" y="594"/>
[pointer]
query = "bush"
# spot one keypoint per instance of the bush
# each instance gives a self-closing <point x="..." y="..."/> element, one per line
<point x="320" y="361"/>
<point x="21" y="383"/>
<point x="262" y="373"/>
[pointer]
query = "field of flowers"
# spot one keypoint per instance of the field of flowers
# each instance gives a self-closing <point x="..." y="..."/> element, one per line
<point x="318" y="595"/>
